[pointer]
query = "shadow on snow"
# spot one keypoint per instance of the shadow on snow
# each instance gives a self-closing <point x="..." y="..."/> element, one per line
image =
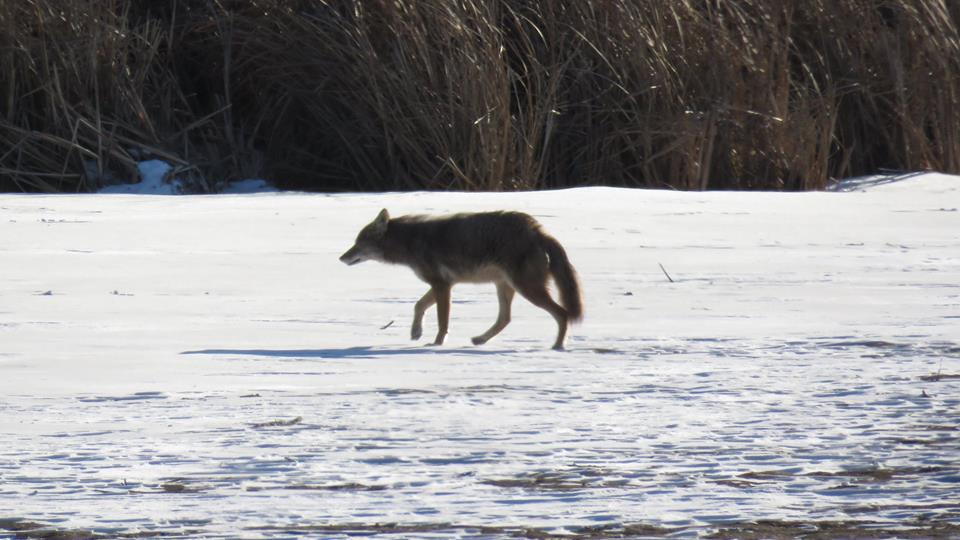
<point x="349" y="352"/>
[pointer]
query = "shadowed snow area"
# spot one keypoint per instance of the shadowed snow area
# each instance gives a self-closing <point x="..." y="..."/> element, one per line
<point x="205" y="366"/>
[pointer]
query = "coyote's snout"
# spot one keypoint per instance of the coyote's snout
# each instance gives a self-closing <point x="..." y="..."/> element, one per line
<point x="508" y="249"/>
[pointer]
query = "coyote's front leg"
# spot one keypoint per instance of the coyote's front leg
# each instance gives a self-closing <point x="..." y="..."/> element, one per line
<point x="441" y="292"/>
<point x="428" y="300"/>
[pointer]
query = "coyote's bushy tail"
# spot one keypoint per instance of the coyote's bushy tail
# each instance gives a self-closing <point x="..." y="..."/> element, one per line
<point x="565" y="277"/>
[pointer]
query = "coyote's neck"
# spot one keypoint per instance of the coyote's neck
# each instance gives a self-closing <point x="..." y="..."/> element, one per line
<point x="399" y="242"/>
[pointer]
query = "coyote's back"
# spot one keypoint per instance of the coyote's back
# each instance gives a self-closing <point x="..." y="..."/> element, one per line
<point x="509" y="249"/>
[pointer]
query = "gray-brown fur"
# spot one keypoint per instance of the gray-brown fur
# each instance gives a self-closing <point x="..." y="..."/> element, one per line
<point x="508" y="249"/>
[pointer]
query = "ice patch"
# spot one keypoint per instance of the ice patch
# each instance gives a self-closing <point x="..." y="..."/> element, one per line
<point x="154" y="180"/>
<point x="153" y="175"/>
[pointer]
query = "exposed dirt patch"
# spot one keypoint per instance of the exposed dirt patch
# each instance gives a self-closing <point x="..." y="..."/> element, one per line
<point x="278" y="423"/>
<point x="173" y="486"/>
<point x="937" y="427"/>
<point x="351" y="486"/>
<point x="573" y="479"/>
<point x="830" y="530"/>
<point x="177" y="487"/>
<point x="937" y="377"/>
<point x="533" y="533"/>
<point x="954" y="508"/>
<point x="872" y="475"/>
<point x="755" y="530"/>
<point x="14" y="525"/>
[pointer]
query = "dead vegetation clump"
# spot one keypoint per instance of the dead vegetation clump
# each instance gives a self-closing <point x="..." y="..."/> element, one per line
<point x="477" y="94"/>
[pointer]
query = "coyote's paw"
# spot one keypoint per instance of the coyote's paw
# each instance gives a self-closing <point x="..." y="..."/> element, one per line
<point x="416" y="332"/>
<point x="478" y="340"/>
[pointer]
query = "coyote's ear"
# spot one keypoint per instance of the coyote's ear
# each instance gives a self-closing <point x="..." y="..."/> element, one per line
<point x="380" y="224"/>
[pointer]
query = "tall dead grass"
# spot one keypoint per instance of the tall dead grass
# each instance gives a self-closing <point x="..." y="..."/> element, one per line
<point x="478" y="95"/>
<point x="89" y="88"/>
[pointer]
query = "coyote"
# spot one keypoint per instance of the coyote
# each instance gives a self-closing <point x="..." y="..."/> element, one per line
<point x="508" y="249"/>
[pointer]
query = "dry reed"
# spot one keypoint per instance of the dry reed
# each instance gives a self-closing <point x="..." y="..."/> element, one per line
<point x="477" y="95"/>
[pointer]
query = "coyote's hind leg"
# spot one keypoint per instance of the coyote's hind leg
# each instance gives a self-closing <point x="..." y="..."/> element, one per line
<point x="538" y="296"/>
<point x="505" y="297"/>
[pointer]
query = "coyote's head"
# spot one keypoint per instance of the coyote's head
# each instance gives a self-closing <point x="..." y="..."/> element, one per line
<point x="368" y="244"/>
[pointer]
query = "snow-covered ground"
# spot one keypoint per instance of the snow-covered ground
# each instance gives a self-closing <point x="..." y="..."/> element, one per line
<point x="204" y="366"/>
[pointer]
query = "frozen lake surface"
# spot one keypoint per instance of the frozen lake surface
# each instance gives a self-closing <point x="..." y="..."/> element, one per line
<point x="203" y="366"/>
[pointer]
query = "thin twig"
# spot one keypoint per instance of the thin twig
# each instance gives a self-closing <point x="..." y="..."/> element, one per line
<point x="665" y="273"/>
